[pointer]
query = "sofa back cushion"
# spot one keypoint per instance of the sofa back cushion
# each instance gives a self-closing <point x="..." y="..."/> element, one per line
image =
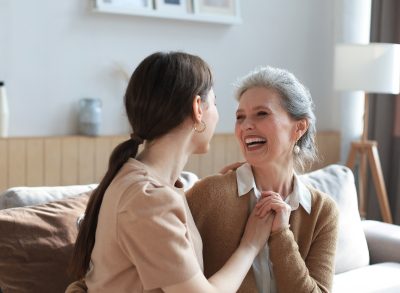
<point x="338" y="182"/>
<point x="27" y="196"/>
<point x="36" y="243"/>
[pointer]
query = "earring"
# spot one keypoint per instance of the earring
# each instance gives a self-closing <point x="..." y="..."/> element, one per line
<point x="296" y="149"/>
<point x="200" y="128"/>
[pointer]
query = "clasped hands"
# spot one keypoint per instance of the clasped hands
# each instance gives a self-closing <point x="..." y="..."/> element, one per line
<point x="272" y="202"/>
<point x="271" y="209"/>
<point x="271" y="214"/>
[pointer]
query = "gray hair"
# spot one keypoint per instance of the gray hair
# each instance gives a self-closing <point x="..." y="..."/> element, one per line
<point x="296" y="100"/>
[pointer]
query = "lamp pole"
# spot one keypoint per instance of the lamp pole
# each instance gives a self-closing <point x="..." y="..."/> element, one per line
<point x="368" y="152"/>
<point x="371" y="68"/>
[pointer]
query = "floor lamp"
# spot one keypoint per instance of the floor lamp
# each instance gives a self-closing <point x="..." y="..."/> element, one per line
<point x="371" y="68"/>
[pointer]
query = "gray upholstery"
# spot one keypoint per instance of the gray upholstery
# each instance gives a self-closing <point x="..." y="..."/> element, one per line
<point x="356" y="271"/>
<point x="377" y="278"/>
<point x="338" y="182"/>
<point x="383" y="241"/>
<point x="27" y="196"/>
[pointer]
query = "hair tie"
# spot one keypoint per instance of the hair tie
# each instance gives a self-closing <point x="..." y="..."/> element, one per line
<point x="137" y="138"/>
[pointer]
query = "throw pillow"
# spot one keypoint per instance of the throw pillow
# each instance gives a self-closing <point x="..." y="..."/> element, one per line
<point x="338" y="182"/>
<point x="36" y="244"/>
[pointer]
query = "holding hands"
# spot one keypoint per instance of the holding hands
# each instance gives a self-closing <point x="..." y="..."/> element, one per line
<point x="257" y="231"/>
<point x="272" y="202"/>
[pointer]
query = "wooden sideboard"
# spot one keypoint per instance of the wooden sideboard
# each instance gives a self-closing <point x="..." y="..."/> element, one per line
<point x="71" y="160"/>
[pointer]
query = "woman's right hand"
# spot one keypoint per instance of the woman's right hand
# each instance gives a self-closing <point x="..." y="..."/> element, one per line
<point x="257" y="230"/>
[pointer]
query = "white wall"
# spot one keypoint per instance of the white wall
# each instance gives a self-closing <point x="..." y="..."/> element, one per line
<point x="52" y="53"/>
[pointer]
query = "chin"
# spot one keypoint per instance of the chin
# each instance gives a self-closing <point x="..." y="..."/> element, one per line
<point x="253" y="160"/>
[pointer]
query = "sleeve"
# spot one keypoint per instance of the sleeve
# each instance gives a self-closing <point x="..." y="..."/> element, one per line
<point x="152" y="232"/>
<point x="315" y="274"/>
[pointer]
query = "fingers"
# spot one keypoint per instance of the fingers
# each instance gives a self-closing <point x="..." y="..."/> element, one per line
<point x="273" y="196"/>
<point x="231" y="167"/>
<point x="270" y="193"/>
<point x="276" y="207"/>
<point x="271" y="202"/>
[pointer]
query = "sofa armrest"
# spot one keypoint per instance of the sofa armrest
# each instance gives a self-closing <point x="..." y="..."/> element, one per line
<point x="383" y="241"/>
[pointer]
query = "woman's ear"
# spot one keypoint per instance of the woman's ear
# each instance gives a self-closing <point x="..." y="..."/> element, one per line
<point x="197" y="109"/>
<point x="301" y="128"/>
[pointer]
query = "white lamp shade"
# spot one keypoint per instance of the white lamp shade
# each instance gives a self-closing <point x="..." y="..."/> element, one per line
<point x="372" y="68"/>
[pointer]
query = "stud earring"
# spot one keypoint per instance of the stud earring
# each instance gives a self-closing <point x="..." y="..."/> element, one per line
<point x="296" y="149"/>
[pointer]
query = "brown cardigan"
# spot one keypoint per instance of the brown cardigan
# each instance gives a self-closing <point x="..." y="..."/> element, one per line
<point x="302" y="256"/>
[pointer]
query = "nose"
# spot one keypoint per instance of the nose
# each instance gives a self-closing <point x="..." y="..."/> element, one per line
<point x="247" y="124"/>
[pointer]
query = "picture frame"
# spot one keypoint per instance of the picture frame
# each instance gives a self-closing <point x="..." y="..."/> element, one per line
<point x="175" y="7"/>
<point x="132" y="5"/>
<point x="209" y="11"/>
<point x="227" y="8"/>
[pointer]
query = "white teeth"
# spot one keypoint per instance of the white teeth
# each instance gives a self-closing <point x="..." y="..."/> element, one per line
<point x="253" y="140"/>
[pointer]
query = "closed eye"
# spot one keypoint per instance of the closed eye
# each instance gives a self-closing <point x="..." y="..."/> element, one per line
<point x="239" y="117"/>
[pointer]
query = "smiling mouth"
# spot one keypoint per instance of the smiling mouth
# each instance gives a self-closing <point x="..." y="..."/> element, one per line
<point x="254" y="142"/>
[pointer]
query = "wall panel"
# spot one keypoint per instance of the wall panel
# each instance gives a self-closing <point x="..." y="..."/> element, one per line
<point x="71" y="160"/>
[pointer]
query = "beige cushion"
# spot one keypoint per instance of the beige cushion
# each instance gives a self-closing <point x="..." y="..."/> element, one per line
<point x="338" y="182"/>
<point x="36" y="245"/>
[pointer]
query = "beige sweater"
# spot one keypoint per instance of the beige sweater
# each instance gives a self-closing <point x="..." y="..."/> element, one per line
<point x="302" y="256"/>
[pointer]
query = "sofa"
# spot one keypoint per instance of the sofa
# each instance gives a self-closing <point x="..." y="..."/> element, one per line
<point x="38" y="227"/>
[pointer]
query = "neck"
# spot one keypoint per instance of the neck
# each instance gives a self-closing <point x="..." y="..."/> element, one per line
<point x="274" y="177"/>
<point x="167" y="156"/>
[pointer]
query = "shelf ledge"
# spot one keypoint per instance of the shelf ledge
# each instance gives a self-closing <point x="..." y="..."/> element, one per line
<point x="220" y="19"/>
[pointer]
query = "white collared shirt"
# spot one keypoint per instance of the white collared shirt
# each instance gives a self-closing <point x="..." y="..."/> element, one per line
<point x="262" y="266"/>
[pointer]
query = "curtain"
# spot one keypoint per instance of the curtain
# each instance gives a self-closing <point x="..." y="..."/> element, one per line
<point x="384" y="115"/>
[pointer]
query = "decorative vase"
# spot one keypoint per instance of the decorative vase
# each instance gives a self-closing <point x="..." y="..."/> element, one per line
<point x="90" y="112"/>
<point x="4" y="111"/>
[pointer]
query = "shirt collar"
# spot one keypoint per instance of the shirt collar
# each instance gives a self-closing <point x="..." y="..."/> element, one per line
<point x="299" y="196"/>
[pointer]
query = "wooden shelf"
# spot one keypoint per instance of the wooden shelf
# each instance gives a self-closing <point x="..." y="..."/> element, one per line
<point x="219" y="19"/>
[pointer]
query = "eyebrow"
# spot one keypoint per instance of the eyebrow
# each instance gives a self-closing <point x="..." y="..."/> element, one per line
<point x="255" y="109"/>
<point x="261" y="108"/>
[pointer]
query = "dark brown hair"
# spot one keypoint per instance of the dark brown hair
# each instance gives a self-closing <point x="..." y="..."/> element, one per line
<point x="159" y="97"/>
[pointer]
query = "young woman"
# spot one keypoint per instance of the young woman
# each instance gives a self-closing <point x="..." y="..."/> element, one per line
<point x="138" y="234"/>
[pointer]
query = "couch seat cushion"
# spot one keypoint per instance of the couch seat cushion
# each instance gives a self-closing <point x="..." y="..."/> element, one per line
<point x="382" y="278"/>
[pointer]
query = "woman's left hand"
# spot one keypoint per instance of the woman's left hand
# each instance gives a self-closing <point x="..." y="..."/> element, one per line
<point x="272" y="201"/>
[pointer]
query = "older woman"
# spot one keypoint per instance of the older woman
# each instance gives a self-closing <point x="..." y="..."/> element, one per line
<point x="275" y="128"/>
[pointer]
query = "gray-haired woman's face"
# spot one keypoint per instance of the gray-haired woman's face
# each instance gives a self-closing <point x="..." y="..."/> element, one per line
<point x="265" y="131"/>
